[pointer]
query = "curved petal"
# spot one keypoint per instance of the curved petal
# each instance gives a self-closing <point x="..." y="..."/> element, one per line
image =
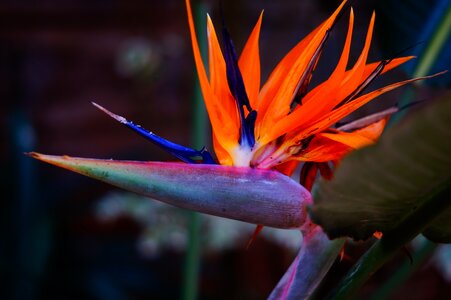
<point x="277" y="93"/>
<point x="359" y="138"/>
<point x="221" y="122"/>
<point x="249" y="64"/>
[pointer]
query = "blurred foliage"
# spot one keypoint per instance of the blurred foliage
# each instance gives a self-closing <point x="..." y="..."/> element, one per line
<point x="411" y="23"/>
<point x="379" y="187"/>
<point x="165" y="227"/>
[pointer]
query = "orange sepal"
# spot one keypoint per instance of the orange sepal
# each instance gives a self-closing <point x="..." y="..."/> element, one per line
<point x="280" y="103"/>
<point x="322" y="149"/>
<point x="358" y="138"/>
<point x="355" y="76"/>
<point x="249" y="64"/>
<point x="288" y="167"/>
<point x="277" y="92"/>
<point x="218" y="76"/>
<point x="339" y="113"/>
<point x="223" y="126"/>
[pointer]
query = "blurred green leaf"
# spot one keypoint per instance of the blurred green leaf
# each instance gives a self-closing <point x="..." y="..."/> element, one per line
<point x="379" y="187"/>
<point x="406" y="23"/>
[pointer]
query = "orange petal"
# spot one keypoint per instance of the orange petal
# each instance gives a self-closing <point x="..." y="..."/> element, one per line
<point x="317" y="94"/>
<point x="308" y="175"/>
<point x="359" y="138"/>
<point x="334" y="80"/>
<point x="327" y="91"/>
<point x="280" y="105"/>
<point x="249" y="64"/>
<point x="322" y="149"/>
<point x="218" y="78"/>
<point x="334" y="146"/>
<point x="354" y="78"/>
<point x="308" y="120"/>
<point x="288" y="167"/>
<point x="334" y="116"/>
<point x="277" y="92"/>
<point x="222" y="154"/>
<point x="222" y="125"/>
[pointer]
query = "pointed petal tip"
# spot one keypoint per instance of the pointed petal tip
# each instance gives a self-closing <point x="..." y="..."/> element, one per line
<point x="51" y="159"/>
<point x="433" y="75"/>
<point x="32" y="154"/>
<point x="341" y="5"/>
<point x="112" y="115"/>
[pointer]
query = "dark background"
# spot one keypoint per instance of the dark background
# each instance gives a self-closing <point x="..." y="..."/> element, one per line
<point x="134" y="57"/>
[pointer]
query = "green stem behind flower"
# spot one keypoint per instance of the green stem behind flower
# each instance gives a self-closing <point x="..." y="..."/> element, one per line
<point x="435" y="45"/>
<point x="420" y="256"/>
<point x="199" y="125"/>
<point x="427" y="59"/>
<point x="384" y="249"/>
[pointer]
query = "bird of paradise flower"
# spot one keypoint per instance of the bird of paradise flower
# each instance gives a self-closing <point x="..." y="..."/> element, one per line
<point x="260" y="134"/>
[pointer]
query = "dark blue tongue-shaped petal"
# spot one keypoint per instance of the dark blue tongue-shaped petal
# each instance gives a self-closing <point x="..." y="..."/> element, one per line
<point x="238" y="90"/>
<point x="183" y="153"/>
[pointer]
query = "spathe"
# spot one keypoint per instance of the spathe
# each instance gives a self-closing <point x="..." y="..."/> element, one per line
<point x="251" y="195"/>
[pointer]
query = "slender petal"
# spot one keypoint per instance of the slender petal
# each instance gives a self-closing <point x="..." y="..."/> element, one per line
<point x="353" y="78"/>
<point x="359" y="138"/>
<point x="185" y="154"/>
<point x="365" y="121"/>
<point x="280" y="104"/>
<point x="218" y="75"/>
<point x="221" y="122"/>
<point x="249" y="64"/>
<point x="326" y="120"/>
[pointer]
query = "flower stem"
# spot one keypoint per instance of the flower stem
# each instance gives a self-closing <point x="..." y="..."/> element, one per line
<point x="425" y="251"/>
<point x="199" y="125"/>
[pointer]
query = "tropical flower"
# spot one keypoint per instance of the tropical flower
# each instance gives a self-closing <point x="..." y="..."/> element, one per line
<point x="273" y="127"/>
<point x="259" y="132"/>
<point x="283" y="122"/>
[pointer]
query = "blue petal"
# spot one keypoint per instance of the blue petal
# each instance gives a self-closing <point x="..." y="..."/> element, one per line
<point x="238" y="90"/>
<point x="183" y="153"/>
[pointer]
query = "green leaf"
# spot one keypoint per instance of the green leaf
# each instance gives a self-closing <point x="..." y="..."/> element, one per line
<point x="378" y="187"/>
<point x="255" y="196"/>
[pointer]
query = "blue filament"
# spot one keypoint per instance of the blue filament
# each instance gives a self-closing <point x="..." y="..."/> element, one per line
<point x="238" y="90"/>
<point x="183" y="153"/>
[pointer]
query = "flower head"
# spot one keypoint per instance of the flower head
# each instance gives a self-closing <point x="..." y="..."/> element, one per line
<point x="274" y="126"/>
<point x="283" y="122"/>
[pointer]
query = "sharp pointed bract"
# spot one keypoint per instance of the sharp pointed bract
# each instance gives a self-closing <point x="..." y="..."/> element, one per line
<point x="250" y="195"/>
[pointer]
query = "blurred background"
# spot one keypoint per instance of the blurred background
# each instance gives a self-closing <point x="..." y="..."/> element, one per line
<point x="63" y="236"/>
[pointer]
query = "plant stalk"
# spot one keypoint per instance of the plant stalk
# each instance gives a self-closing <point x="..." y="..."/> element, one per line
<point x="190" y="289"/>
<point x="391" y="242"/>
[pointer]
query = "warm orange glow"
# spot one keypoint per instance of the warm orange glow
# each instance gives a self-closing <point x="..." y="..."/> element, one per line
<point x="284" y="133"/>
